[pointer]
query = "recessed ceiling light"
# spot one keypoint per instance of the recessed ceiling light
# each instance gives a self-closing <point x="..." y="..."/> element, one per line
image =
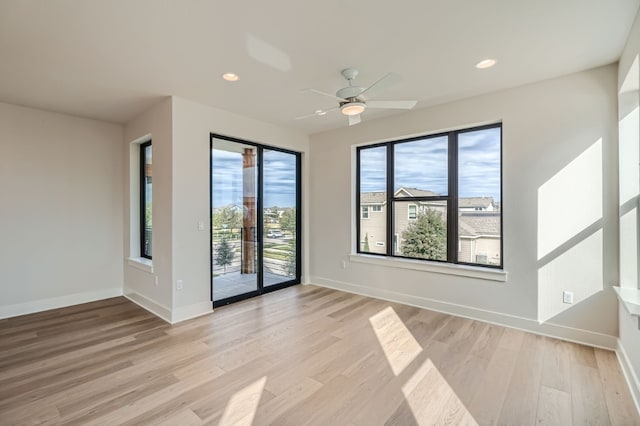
<point x="486" y="63"/>
<point x="229" y="76"/>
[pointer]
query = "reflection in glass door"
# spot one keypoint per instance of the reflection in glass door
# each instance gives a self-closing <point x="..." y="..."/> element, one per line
<point x="255" y="208"/>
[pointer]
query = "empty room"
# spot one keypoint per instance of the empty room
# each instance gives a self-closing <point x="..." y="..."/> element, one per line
<point x="331" y="213"/>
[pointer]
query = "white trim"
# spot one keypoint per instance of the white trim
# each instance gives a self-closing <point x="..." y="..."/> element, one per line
<point x="584" y="337"/>
<point x="437" y="267"/>
<point x="629" y="374"/>
<point x="150" y="305"/>
<point x="191" y="311"/>
<point x="141" y="263"/>
<point x="630" y="298"/>
<point x="8" y="311"/>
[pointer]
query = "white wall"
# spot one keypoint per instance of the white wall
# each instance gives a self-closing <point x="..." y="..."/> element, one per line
<point x="628" y="82"/>
<point x="192" y="125"/>
<point x="60" y="210"/>
<point x="152" y="289"/>
<point x="554" y="132"/>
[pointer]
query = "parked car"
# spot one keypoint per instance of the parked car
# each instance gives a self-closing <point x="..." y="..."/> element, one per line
<point x="274" y="233"/>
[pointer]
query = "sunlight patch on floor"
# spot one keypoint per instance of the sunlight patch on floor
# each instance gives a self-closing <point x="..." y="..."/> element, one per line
<point x="397" y="342"/>
<point x="242" y="406"/>
<point x="432" y="400"/>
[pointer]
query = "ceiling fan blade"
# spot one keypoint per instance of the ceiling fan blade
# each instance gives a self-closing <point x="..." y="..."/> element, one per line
<point x="354" y="119"/>
<point x="391" y="104"/>
<point x="320" y="92"/>
<point x="385" y="82"/>
<point x="318" y="112"/>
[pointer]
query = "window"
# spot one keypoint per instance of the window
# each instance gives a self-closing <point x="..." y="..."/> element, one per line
<point x="444" y="195"/>
<point x="146" y="199"/>
<point x="376" y="209"/>
<point x="413" y="211"/>
<point x="365" y="212"/>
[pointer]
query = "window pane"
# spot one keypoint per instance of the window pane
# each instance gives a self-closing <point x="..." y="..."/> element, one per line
<point x="147" y="151"/>
<point x="479" y="203"/>
<point x="279" y="246"/>
<point x="420" y="229"/>
<point x="234" y="178"/>
<point x="420" y="167"/>
<point x="373" y="198"/>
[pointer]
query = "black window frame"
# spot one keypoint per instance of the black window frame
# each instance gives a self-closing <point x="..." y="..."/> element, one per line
<point x="451" y="198"/>
<point x="143" y="199"/>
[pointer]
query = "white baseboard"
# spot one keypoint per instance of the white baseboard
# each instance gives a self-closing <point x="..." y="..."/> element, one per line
<point x="8" y="311"/>
<point x="150" y="305"/>
<point x="530" y="325"/>
<point x="192" y="311"/>
<point x="629" y="374"/>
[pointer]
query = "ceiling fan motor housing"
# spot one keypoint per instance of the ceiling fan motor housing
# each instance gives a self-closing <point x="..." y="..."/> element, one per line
<point x="349" y="92"/>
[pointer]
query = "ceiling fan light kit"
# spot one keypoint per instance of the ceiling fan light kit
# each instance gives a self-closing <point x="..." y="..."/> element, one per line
<point x="352" y="105"/>
<point x="352" y="108"/>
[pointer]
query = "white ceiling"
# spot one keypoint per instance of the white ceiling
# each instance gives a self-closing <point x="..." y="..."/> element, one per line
<point x="112" y="59"/>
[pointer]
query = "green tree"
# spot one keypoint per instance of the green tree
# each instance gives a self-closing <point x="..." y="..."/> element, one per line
<point x="288" y="220"/>
<point x="366" y="242"/>
<point x="228" y="216"/>
<point x="426" y="238"/>
<point x="224" y="254"/>
<point x="290" y="260"/>
<point x="148" y="219"/>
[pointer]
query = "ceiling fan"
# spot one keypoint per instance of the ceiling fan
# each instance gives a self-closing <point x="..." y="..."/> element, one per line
<point x="351" y="101"/>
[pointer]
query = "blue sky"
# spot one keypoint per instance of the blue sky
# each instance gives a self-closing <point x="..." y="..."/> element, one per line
<point x="423" y="164"/>
<point x="279" y="178"/>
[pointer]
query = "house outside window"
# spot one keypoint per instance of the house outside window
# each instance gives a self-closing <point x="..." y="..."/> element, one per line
<point x="442" y="195"/>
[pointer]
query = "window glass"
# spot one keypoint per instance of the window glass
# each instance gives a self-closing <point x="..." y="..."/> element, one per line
<point x="479" y="212"/>
<point x="373" y="189"/>
<point x="424" y="237"/>
<point x="146" y="197"/>
<point x="420" y="167"/>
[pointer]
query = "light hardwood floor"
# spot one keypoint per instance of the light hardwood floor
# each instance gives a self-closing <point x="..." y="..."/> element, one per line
<point x="303" y="355"/>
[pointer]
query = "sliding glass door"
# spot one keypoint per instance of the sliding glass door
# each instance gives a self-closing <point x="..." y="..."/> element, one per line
<point x="255" y="205"/>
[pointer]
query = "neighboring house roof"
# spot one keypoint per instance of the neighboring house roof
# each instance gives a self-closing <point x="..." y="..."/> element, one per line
<point x="415" y="192"/>
<point x="483" y="202"/>
<point x="373" y="197"/>
<point x="479" y="223"/>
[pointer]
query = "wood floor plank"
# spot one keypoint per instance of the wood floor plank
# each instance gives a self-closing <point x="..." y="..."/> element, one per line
<point x="302" y="355"/>
<point x="619" y="402"/>
<point x="521" y="404"/>
<point x="587" y="397"/>
<point x="487" y="403"/>
<point x="556" y="370"/>
<point x="554" y="407"/>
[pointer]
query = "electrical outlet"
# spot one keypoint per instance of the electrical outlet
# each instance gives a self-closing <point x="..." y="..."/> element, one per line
<point x="201" y="225"/>
<point x="567" y="297"/>
<point x="344" y="264"/>
<point x="156" y="281"/>
<point x="179" y="285"/>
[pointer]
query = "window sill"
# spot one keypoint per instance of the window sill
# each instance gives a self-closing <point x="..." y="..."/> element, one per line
<point x="439" y="268"/>
<point x="141" y="263"/>
<point x="630" y="298"/>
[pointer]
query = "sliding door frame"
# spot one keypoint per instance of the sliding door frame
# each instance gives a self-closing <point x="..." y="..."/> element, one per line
<point x="259" y="220"/>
